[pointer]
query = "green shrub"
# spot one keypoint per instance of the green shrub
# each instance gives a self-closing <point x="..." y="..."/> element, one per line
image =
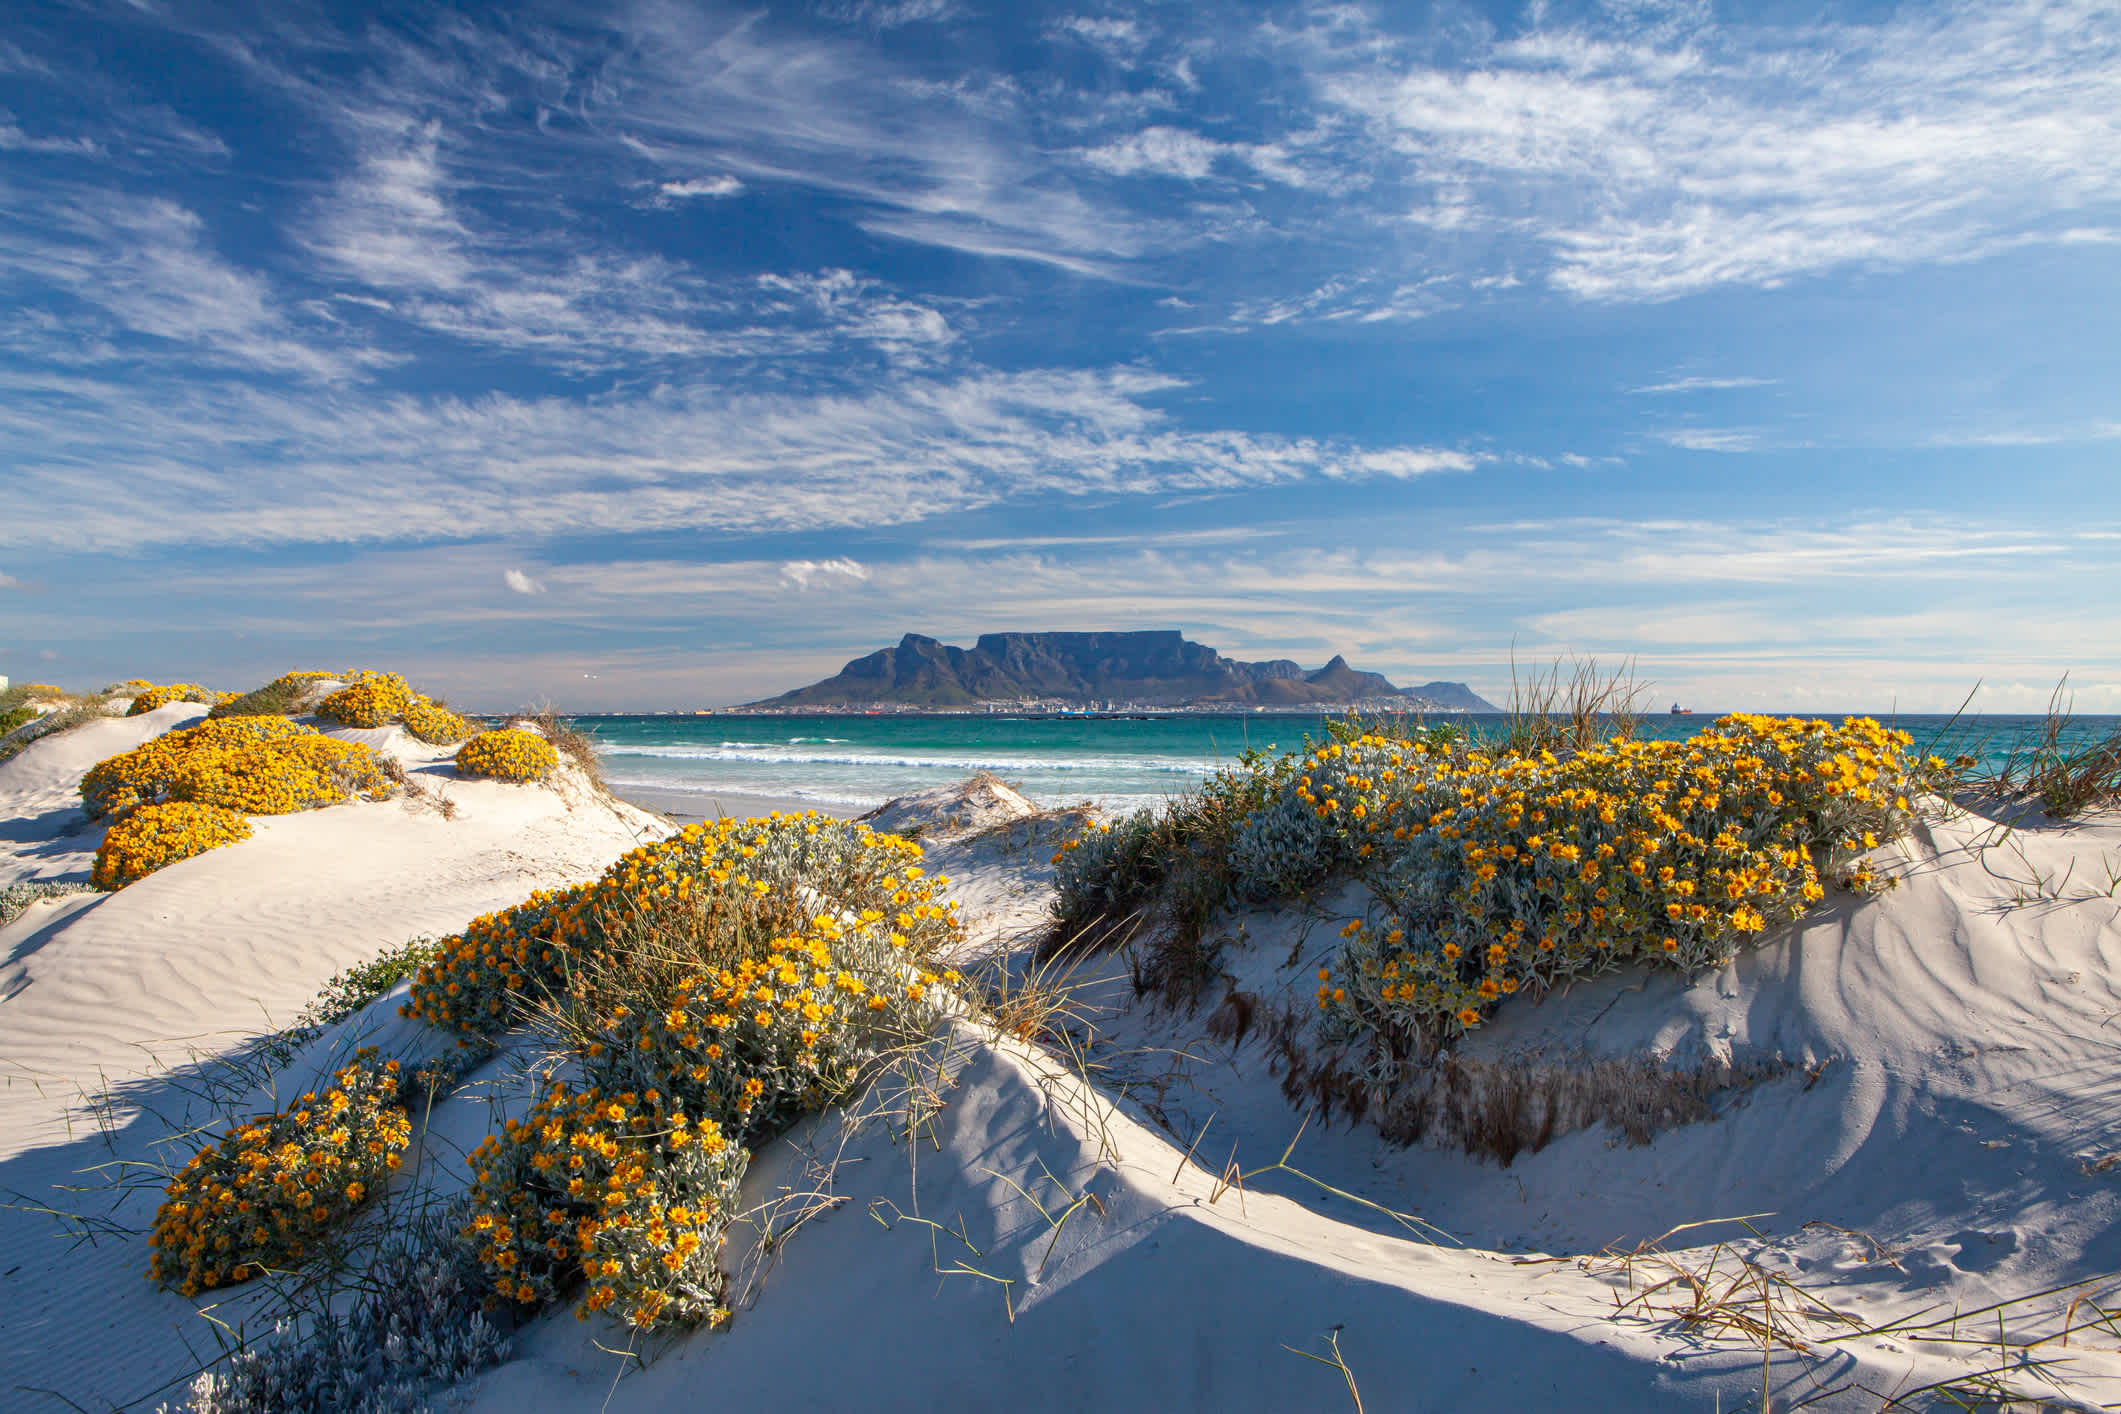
<point x="1163" y="874"/>
<point x="285" y="696"/>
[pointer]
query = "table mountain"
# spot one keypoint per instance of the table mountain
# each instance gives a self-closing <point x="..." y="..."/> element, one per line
<point x="1159" y="667"/>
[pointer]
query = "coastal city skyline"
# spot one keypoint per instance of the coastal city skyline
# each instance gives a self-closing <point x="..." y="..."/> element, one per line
<point x="662" y="356"/>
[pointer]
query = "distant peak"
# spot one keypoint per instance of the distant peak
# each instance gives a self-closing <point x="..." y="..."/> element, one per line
<point x="1125" y="666"/>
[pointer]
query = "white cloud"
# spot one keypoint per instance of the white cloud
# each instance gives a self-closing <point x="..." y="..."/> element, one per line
<point x="1656" y="163"/>
<point x="401" y="224"/>
<point x="859" y="308"/>
<point x="8" y="581"/>
<point x="1110" y="34"/>
<point x="1407" y="462"/>
<point x="521" y="583"/>
<point x="1710" y="439"/>
<point x="14" y="139"/>
<point x="724" y="185"/>
<point x="950" y="164"/>
<point x="1700" y="385"/>
<point x="145" y="268"/>
<point x="800" y="573"/>
<point x="889" y="14"/>
<point x="1165" y="151"/>
<point x="125" y="463"/>
<point x="1168" y="152"/>
<point x="2028" y="437"/>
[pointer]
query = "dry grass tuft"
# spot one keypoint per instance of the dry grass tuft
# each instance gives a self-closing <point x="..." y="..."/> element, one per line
<point x="1571" y="705"/>
<point x="2064" y="777"/>
<point x="571" y="742"/>
<point x="1720" y="1293"/>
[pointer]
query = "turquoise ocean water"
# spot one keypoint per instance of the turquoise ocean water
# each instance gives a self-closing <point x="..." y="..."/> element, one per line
<point x="1119" y="763"/>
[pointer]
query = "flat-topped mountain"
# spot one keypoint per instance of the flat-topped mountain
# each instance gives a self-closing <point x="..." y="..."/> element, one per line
<point x="1153" y="667"/>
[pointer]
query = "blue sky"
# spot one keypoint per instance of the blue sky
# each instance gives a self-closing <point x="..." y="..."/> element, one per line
<point x="666" y="354"/>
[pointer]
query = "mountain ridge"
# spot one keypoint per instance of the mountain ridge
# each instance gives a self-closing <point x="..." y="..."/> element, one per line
<point x="1151" y="667"/>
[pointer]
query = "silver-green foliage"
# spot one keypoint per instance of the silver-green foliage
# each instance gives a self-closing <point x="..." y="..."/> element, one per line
<point x="416" y="1329"/>
<point x="16" y="898"/>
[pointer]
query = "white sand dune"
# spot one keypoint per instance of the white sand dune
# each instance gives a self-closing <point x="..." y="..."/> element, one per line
<point x="1940" y="1074"/>
<point x="1950" y="1090"/>
<point x="115" y="990"/>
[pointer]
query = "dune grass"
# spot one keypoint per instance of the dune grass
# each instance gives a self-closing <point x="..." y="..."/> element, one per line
<point x="1570" y="705"/>
<point x="571" y="742"/>
<point x="2062" y="774"/>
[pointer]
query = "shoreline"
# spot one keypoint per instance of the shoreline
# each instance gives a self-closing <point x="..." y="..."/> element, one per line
<point x="692" y="805"/>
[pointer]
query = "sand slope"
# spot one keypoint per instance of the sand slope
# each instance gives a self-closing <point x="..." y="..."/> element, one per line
<point x="1942" y="1076"/>
<point x="116" y="990"/>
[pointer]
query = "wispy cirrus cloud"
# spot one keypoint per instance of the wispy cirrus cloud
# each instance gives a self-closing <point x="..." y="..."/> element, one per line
<point x="1655" y="163"/>
<point x="14" y="139"/>
<point x="1701" y="384"/>
<point x="1729" y="613"/>
<point x="137" y="275"/>
<point x="1710" y="439"/>
<point x="120" y="465"/>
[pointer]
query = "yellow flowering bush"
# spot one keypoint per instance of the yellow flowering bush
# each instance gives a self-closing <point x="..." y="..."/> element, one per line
<point x="258" y="765"/>
<point x="152" y="836"/>
<point x="260" y="1198"/>
<point x="153" y="696"/>
<point x="691" y="900"/>
<point x="1325" y="819"/>
<point x="143" y="775"/>
<point x="710" y="988"/>
<point x="626" y="1191"/>
<point x="775" y="1036"/>
<point x="282" y="776"/>
<point x="369" y="700"/>
<point x="507" y="755"/>
<point x="433" y="723"/>
<point x="629" y="1183"/>
<point x="1497" y="871"/>
<point x="1500" y="875"/>
<point x="502" y="963"/>
<point x="372" y="699"/>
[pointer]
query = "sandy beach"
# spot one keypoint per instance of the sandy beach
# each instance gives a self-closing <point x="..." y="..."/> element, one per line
<point x="1899" y="1110"/>
<point x="690" y="806"/>
<point x="1128" y="708"/>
